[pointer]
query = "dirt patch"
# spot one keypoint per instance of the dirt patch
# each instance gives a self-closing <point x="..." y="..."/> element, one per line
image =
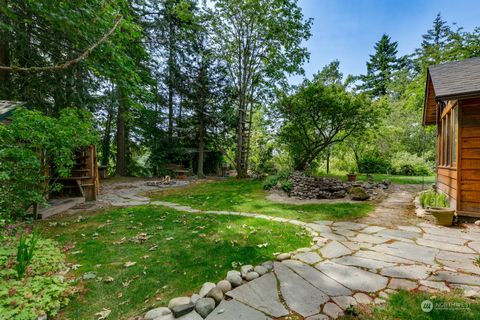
<point x="282" y="197"/>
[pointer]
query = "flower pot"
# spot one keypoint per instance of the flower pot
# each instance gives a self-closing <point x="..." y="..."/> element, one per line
<point x="352" y="177"/>
<point x="444" y="216"/>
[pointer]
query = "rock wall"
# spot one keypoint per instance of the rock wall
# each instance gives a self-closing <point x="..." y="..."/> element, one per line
<point x="307" y="187"/>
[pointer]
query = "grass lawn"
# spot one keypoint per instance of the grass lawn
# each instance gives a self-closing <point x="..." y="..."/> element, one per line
<point x="174" y="254"/>
<point x="249" y="196"/>
<point x="428" y="180"/>
<point x="407" y="306"/>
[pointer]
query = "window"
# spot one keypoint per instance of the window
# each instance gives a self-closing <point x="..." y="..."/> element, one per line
<point x="448" y="138"/>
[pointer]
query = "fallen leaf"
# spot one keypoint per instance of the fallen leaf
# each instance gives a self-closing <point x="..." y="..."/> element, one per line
<point x="119" y="295"/>
<point x="128" y="264"/>
<point x="103" y="314"/>
<point x="169" y="238"/>
<point x="108" y="279"/>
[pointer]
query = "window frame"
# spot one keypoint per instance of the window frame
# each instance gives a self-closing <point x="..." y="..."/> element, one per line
<point x="448" y="136"/>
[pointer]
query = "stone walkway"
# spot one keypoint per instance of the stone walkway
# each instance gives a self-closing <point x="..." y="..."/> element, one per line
<point x="348" y="263"/>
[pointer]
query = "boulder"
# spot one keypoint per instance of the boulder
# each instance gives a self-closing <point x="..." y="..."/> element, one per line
<point x="359" y="194"/>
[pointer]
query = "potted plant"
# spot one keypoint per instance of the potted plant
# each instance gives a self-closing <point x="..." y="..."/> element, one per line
<point x="437" y="205"/>
<point x="352" y="176"/>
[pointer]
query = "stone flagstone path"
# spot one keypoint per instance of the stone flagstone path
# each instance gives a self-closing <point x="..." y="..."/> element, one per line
<point x="347" y="264"/>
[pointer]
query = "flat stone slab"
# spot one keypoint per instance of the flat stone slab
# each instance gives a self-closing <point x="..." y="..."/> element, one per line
<point x="363" y="262"/>
<point x="434" y="237"/>
<point x="234" y="310"/>
<point x="437" y="285"/>
<point x="456" y="256"/>
<point x="334" y="249"/>
<point x="402" y="284"/>
<point x="261" y="294"/>
<point x="349" y="225"/>
<point x="318" y="279"/>
<point x="319" y="228"/>
<point x="408" y="251"/>
<point x="333" y="236"/>
<point x="381" y="257"/>
<point x="345" y="301"/>
<point x="372" y="229"/>
<point x="299" y="295"/>
<point x="454" y="277"/>
<point x="308" y="257"/>
<point x="398" y="234"/>
<point x="368" y="238"/>
<point x="415" y="272"/>
<point x="410" y="228"/>
<point x="444" y="246"/>
<point x="475" y="245"/>
<point x="352" y="277"/>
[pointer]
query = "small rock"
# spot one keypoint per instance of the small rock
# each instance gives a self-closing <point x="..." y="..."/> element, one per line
<point x="362" y="298"/>
<point x="194" y="298"/>
<point x="207" y="286"/>
<point x="216" y="294"/>
<point x="283" y="256"/>
<point x="246" y="269"/>
<point x="359" y="194"/>
<point x="477" y="222"/>
<point x="204" y="306"/>
<point x="234" y="279"/>
<point x="268" y="265"/>
<point x="42" y="317"/>
<point x="224" y="285"/>
<point x="183" y="309"/>
<point x="157" y="313"/>
<point x="332" y="310"/>
<point x="378" y="301"/>
<point x="261" y="270"/>
<point x="178" y="302"/>
<point x="251" y="276"/>
<point x="471" y="293"/>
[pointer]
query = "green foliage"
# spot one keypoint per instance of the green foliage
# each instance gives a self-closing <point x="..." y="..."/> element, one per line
<point x="373" y="163"/>
<point x="287" y="186"/>
<point x="34" y="148"/>
<point x="433" y="199"/>
<point x="270" y="182"/>
<point x="317" y="116"/>
<point x="25" y="250"/>
<point x="381" y="67"/>
<point x="40" y="291"/>
<point x="404" y="163"/>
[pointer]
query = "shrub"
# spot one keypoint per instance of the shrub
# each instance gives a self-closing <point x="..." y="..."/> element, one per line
<point x="374" y="163"/>
<point x="433" y="199"/>
<point x="287" y="186"/>
<point x="31" y="144"/>
<point x="407" y="164"/>
<point x="40" y="291"/>
<point x="270" y="182"/>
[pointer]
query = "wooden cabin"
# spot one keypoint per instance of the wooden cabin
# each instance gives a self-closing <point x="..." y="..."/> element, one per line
<point x="452" y="102"/>
<point x="83" y="181"/>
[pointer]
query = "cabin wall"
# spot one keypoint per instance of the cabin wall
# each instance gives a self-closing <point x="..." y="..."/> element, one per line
<point x="469" y="151"/>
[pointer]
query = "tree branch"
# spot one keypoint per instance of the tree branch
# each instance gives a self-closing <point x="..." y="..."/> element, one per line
<point x="70" y="63"/>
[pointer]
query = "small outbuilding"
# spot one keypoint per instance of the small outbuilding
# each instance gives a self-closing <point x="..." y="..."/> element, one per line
<point x="452" y="102"/>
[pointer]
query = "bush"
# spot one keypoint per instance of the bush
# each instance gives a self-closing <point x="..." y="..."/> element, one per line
<point x="287" y="186"/>
<point x="40" y="291"/>
<point x="404" y="163"/>
<point x="433" y="199"/>
<point x="31" y="145"/>
<point x="270" y="182"/>
<point x="374" y="163"/>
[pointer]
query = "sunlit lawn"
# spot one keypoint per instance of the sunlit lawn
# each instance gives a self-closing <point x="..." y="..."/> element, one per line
<point x="249" y="196"/>
<point x="174" y="253"/>
<point x="428" y="180"/>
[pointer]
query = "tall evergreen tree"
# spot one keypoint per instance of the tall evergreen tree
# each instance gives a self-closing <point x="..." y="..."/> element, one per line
<point x="435" y="43"/>
<point x="383" y="63"/>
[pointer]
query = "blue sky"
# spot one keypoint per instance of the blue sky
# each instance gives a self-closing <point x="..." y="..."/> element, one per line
<point x="348" y="29"/>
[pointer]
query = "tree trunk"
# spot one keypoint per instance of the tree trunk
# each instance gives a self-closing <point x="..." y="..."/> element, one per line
<point x="108" y="131"/>
<point x="328" y="162"/>
<point x="121" y="169"/>
<point x="4" y="61"/>
<point x="170" y="81"/>
<point x="201" y="145"/>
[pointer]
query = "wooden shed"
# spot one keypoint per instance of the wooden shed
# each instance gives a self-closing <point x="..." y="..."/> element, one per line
<point x="452" y="102"/>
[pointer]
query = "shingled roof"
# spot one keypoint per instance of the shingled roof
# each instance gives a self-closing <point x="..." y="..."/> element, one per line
<point x="450" y="81"/>
<point x="457" y="79"/>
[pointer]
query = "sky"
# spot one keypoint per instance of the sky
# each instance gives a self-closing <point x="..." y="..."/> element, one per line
<point x="348" y="29"/>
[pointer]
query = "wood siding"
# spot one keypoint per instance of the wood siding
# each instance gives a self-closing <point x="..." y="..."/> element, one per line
<point x="469" y="151"/>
